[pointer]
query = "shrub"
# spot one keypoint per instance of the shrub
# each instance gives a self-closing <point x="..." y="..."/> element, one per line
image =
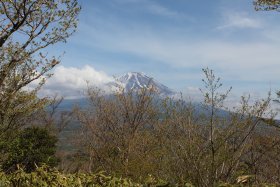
<point x="33" y="146"/>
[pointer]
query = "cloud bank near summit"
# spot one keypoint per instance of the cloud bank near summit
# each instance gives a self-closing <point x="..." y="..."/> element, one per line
<point x="71" y="82"/>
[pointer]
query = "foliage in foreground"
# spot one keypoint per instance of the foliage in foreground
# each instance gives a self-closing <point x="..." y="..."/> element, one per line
<point x="45" y="176"/>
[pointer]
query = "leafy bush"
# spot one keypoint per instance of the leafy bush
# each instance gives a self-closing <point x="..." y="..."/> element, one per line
<point x="46" y="176"/>
<point x="33" y="146"/>
<point x="50" y="177"/>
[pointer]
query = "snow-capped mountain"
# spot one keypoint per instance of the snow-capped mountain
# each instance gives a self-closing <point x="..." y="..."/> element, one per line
<point x="136" y="81"/>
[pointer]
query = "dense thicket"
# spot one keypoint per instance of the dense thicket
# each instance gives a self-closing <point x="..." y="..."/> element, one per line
<point x="135" y="134"/>
<point x="32" y="147"/>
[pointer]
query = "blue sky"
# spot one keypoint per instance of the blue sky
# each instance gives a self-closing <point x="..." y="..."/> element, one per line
<point x="172" y="40"/>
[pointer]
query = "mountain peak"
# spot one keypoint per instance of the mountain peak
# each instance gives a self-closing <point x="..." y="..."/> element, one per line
<point x="136" y="74"/>
<point x="139" y="80"/>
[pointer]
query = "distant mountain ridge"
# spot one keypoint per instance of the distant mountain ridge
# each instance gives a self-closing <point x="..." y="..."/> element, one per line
<point x="128" y="81"/>
<point x="136" y="81"/>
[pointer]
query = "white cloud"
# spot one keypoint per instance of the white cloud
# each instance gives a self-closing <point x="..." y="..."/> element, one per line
<point x="70" y="82"/>
<point x="163" y="11"/>
<point x="261" y="57"/>
<point x="250" y="58"/>
<point x="259" y="54"/>
<point x="240" y="21"/>
<point x="156" y="9"/>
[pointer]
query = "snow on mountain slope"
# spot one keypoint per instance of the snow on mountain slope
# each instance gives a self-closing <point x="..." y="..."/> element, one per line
<point x="136" y="81"/>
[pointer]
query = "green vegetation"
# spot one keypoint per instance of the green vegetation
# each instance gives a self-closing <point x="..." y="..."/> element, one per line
<point x="28" y="27"/>
<point x="48" y="177"/>
<point x="31" y="148"/>
<point x="51" y="177"/>
<point x="267" y="5"/>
